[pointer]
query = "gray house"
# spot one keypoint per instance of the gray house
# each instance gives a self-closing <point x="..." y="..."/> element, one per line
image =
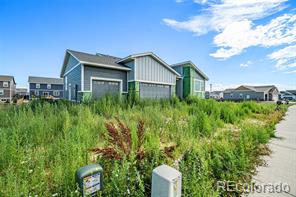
<point x="288" y="95"/>
<point x="142" y="75"/>
<point x="46" y="87"/>
<point x="7" y="88"/>
<point x="259" y="93"/>
<point x="192" y="82"/>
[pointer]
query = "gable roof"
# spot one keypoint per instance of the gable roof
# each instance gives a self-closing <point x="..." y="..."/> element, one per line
<point x="193" y="66"/>
<point x="7" y="78"/>
<point x="266" y="88"/>
<point x="131" y="57"/>
<point x="98" y="60"/>
<point x="46" y="80"/>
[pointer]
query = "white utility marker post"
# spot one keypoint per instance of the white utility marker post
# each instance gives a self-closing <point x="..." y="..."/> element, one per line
<point x="166" y="182"/>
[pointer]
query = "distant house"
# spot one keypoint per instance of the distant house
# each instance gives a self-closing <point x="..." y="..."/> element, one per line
<point x="259" y="93"/>
<point x="142" y="75"/>
<point x="46" y="87"/>
<point x="288" y="95"/>
<point x="21" y="91"/>
<point x="7" y="88"/>
<point x="192" y="82"/>
<point x="217" y="95"/>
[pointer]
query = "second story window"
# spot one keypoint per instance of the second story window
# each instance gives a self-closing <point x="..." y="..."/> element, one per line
<point x="37" y="85"/>
<point x="5" y="84"/>
<point x="49" y="86"/>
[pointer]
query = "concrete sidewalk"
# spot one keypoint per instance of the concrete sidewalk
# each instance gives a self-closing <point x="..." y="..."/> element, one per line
<point x="281" y="164"/>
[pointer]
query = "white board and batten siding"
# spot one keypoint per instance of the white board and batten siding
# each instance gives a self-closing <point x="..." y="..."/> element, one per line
<point x="147" y="69"/>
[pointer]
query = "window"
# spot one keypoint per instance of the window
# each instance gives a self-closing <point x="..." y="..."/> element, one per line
<point x="36" y="93"/>
<point x="46" y="94"/>
<point x="1" y="92"/>
<point x="37" y="85"/>
<point x="198" y="85"/>
<point x="49" y="86"/>
<point x="248" y="96"/>
<point x="56" y="93"/>
<point x="5" y="84"/>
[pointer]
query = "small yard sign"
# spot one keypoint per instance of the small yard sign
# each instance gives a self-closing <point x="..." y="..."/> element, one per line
<point x="90" y="179"/>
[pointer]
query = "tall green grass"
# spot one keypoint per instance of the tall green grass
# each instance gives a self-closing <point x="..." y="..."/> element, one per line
<point x="43" y="144"/>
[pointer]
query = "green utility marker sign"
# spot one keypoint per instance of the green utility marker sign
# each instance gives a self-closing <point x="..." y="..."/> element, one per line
<point x="90" y="179"/>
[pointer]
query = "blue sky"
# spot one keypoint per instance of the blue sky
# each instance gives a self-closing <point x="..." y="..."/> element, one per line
<point x="233" y="42"/>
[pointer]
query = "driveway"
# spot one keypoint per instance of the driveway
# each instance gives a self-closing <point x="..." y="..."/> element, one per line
<point x="281" y="164"/>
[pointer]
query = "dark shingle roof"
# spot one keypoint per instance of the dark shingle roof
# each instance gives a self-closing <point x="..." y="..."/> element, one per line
<point x="45" y="80"/>
<point x="98" y="58"/>
<point x="6" y="78"/>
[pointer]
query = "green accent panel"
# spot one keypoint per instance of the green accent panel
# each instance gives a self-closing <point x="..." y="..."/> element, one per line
<point x="186" y="71"/>
<point x="173" y="90"/>
<point x="186" y="82"/>
<point x="85" y="97"/>
<point x="134" y="90"/>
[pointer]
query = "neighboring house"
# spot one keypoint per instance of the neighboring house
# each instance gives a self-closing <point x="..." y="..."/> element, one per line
<point x="21" y="92"/>
<point x="142" y="75"/>
<point x="7" y="88"/>
<point x="288" y="95"/>
<point x="217" y="95"/>
<point x="259" y="93"/>
<point x="192" y="82"/>
<point x="46" y="87"/>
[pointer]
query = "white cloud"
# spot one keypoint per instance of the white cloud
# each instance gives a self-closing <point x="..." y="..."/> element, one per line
<point x="245" y="65"/>
<point x="285" y="58"/>
<point x="291" y="72"/>
<point x="241" y="35"/>
<point x="219" y="14"/>
<point x="234" y="20"/>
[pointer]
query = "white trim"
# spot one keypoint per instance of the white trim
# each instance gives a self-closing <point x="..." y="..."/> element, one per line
<point x="194" y="67"/>
<point x="106" y="79"/>
<point x="194" y="80"/>
<point x="71" y="69"/>
<point x="135" y="69"/>
<point x="7" y="84"/>
<point x="105" y="66"/>
<point x="73" y="56"/>
<point x="155" y="82"/>
<point x="82" y="77"/>
<point x="155" y="57"/>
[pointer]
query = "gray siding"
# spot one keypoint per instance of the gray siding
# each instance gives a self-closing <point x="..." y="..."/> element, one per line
<point x="90" y="71"/>
<point x="71" y="63"/>
<point x="73" y="81"/>
<point x="242" y="95"/>
<point x="148" y="69"/>
<point x="131" y="74"/>
<point x="8" y="91"/>
<point x="43" y="88"/>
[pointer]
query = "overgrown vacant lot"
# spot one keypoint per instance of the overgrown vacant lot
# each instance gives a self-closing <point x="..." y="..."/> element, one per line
<point x="43" y="144"/>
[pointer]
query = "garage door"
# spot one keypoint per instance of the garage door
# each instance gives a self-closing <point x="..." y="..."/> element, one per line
<point x="149" y="90"/>
<point x="101" y="88"/>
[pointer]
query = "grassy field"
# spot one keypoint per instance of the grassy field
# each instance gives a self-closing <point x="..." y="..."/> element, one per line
<point x="43" y="144"/>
